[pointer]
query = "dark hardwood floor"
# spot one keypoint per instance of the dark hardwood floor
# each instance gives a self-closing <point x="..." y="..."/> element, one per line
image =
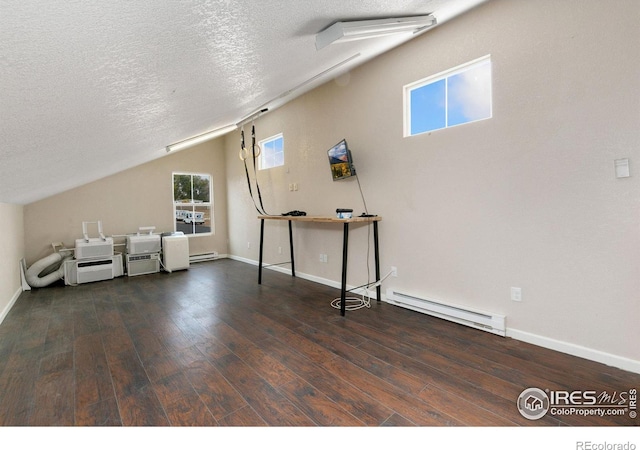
<point x="211" y="347"/>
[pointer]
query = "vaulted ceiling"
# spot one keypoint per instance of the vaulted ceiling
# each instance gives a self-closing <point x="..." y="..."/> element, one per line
<point x="89" y="89"/>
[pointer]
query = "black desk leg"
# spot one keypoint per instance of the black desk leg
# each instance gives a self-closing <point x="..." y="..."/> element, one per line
<point x="343" y="289"/>
<point x="261" y="243"/>
<point x="293" y="262"/>
<point x="377" y="256"/>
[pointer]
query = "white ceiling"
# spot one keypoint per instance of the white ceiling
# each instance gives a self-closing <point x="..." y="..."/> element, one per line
<point x="89" y="88"/>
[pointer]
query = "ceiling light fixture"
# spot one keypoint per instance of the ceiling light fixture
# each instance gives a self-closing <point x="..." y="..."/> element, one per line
<point x="366" y="29"/>
<point x="200" y="138"/>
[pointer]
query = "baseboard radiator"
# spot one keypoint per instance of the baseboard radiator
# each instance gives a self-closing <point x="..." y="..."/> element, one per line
<point x="203" y="257"/>
<point x="492" y="323"/>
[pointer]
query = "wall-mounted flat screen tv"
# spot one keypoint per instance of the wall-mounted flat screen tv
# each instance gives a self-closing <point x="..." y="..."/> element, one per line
<point x="340" y="161"/>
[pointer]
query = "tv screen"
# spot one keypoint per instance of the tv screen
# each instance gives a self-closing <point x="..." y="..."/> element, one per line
<point x="340" y="161"/>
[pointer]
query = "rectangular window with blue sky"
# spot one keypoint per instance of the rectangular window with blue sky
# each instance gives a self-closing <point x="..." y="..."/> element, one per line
<point x="271" y="152"/>
<point x="455" y="97"/>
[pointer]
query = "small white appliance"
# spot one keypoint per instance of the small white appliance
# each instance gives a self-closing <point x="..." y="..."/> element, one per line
<point x="142" y="264"/>
<point x="100" y="247"/>
<point x="88" y="270"/>
<point x="144" y="242"/>
<point x="175" y="251"/>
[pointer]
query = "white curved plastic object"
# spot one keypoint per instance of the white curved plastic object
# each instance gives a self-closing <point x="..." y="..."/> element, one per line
<point x="33" y="273"/>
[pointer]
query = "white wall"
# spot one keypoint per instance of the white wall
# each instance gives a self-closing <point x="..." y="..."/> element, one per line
<point x="528" y="198"/>
<point x="11" y="252"/>
<point x="141" y="196"/>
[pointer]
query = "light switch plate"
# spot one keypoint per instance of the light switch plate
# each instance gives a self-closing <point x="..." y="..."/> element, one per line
<point x="622" y="168"/>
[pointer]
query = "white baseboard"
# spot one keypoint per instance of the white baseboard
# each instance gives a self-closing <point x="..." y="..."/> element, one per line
<point x="306" y="276"/>
<point x="244" y="260"/>
<point x="571" y="349"/>
<point x="12" y="302"/>
<point x="194" y="259"/>
<point x="576" y="350"/>
<point x="541" y="341"/>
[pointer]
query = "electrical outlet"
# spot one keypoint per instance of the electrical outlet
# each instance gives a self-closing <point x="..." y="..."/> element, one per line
<point x="279" y="250"/>
<point x="323" y="258"/>
<point x="394" y="271"/>
<point x="248" y="244"/>
<point x="516" y="294"/>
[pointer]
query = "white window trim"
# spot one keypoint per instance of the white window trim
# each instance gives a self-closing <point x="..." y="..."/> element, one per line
<point x="210" y="204"/>
<point x="406" y="91"/>
<point x="261" y="144"/>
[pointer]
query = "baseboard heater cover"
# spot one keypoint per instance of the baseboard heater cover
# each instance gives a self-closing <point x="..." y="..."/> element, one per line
<point x="203" y="257"/>
<point x="492" y="323"/>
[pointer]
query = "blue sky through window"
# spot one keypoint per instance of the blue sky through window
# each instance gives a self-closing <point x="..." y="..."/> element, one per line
<point x="461" y="96"/>
<point x="428" y="107"/>
<point x="469" y="96"/>
<point x="272" y="152"/>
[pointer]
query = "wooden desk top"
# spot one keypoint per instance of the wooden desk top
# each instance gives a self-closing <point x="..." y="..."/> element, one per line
<point x="325" y="219"/>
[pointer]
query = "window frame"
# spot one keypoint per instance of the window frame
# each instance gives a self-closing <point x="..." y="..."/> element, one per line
<point x="193" y="204"/>
<point x="438" y="77"/>
<point x="262" y="158"/>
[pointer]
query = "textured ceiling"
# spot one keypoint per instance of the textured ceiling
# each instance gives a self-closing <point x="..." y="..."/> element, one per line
<point x="89" y="88"/>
